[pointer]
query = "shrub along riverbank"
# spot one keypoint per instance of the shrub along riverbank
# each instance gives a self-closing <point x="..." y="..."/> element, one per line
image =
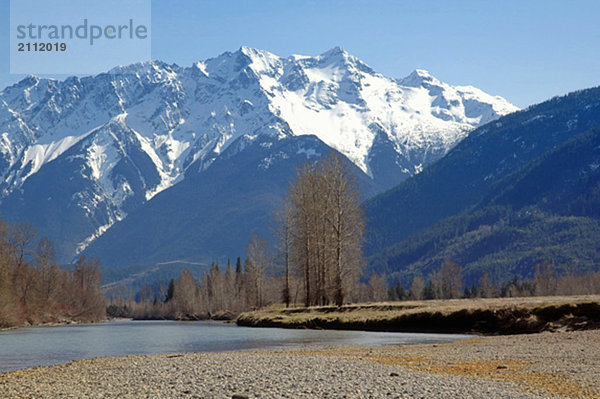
<point x="481" y="315"/>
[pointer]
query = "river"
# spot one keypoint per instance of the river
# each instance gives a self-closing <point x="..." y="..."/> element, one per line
<point x="44" y="346"/>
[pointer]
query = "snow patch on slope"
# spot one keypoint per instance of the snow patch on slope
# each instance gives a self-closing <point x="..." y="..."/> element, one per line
<point x="88" y="240"/>
<point x="39" y="154"/>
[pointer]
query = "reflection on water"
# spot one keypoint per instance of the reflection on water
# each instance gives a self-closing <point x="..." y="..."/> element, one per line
<point x="42" y="346"/>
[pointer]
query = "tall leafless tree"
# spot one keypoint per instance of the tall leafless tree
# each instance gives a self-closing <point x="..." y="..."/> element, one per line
<point x="257" y="261"/>
<point x="325" y="226"/>
<point x="283" y="231"/>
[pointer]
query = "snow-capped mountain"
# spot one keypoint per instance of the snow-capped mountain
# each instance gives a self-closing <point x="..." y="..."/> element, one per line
<point x="77" y="156"/>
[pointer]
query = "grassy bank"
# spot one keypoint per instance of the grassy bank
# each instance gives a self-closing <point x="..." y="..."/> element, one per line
<point x="481" y="315"/>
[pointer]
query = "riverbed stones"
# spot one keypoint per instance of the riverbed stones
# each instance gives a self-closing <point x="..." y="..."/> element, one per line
<point x="544" y="365"/>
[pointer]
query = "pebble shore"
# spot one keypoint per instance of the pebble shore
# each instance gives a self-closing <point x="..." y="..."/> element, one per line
<point x="546" y="365"/>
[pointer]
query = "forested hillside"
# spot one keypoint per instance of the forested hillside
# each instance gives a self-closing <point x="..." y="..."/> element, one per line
<point x="510" y="220"/>
<point x="470" y="171"/>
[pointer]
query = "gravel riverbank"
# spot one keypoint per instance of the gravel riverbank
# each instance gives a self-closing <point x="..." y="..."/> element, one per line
<point x="559" y="364"/>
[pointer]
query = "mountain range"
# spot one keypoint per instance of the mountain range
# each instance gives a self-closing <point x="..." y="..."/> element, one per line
<point x="152" y="162"/>
<point x="517" y="192"/>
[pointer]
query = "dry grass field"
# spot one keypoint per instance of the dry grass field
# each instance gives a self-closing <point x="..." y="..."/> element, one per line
<point x="480" y="315"/>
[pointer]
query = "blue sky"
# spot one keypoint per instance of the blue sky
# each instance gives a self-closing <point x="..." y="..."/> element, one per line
<point x="526" y="51"/>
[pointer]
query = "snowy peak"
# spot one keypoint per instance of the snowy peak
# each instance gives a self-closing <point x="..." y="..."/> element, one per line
<point x="336" y="51"/>
<point x="419" y="77"/>
<point x="340" y="57"/>
<point x="137" y="130"/>
<point x="347" y="104"/>
<point x="185" y="114"/>
<point x="465" y="104"/>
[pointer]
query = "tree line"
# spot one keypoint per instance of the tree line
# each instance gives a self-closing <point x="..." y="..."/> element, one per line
<point x="221" y="293"/>
<point x="35" y="290"/>
<point x="225" y="292"/>
<point x="447" y="283"/>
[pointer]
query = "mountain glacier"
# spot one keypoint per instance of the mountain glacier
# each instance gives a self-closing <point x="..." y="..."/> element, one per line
<point x="79" y="155"/>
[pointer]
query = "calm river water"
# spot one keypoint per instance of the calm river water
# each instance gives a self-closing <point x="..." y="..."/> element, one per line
<point x="42" y="346"/>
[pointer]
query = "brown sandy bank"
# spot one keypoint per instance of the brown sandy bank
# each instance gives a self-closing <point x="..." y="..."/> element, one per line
<point x="560" y="364"/>
<point x="479" y="315"/>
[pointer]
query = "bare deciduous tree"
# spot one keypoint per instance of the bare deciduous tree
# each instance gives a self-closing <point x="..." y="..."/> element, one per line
<point x="283" y="231"/>
<point x="186" y="296"/>
<point x="257" y="261"/>
<point x="416" y="288"/>
<point x="378" y="287"/>
<point x="487" y="288"/>
<point x="87" y="297"/>
<point x="325" y="227"/>
<point x="345" y="223"/>
<point x="451" y="280"/>
<point x="544" y="279"/>
<point x="48" y="270"/>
